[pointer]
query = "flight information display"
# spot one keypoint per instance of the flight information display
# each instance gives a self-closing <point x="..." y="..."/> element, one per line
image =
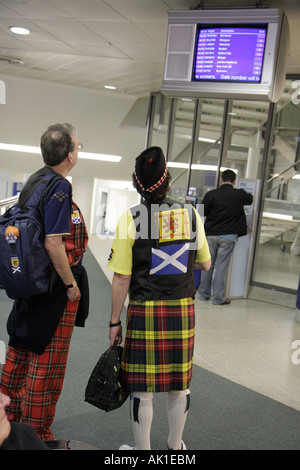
<point x="229" y="53"/>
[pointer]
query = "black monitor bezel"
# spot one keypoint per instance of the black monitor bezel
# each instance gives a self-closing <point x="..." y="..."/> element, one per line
<point x="247" y="25"/>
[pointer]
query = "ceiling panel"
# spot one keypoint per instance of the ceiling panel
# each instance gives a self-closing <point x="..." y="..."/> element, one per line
<point x="87" y="9"/>
<point x="142" y="10"/>
<point x="32" y="9"/>
<point x="93" y="43"/>
<point x="128" y="37"/>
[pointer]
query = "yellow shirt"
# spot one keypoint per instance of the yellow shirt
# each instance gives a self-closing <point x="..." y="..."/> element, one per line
<point x="120" y="260"/>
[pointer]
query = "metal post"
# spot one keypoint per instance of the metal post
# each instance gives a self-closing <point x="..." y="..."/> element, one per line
<point x="171" y="127"/>
<point x="194" y="144"/>
<point x="225" y="137"/>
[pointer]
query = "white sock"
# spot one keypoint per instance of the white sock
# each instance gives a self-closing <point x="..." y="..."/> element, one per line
<point x="177" y="406"/>
<point x="141" y="413"/>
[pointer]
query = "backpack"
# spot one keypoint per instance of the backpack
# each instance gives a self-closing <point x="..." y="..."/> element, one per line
<point x="105" y="389"/>
<point x="25" y="266"/>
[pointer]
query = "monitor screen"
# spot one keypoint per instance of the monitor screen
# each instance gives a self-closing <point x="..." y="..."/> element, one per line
<point x="229" y="52"/>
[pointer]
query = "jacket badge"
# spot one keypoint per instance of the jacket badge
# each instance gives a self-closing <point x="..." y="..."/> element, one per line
<point x="15" y="264"/>
<point x="174" y="225"/>
<point x="170" y="259"/>
<point x="12" y="234"/>
<point x="76" y="219"/>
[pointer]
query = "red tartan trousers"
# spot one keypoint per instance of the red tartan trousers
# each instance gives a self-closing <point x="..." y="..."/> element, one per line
<point x="34" y="381"/>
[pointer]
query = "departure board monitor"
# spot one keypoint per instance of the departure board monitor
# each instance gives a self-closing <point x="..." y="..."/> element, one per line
<point x="231" y="53"/>
<point x="238" y="54"/>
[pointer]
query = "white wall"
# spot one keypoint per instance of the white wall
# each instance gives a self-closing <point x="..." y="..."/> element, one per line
<point x="83" y="197"/>
<point x="32" y="105"/>
<point x="118" y="201"/>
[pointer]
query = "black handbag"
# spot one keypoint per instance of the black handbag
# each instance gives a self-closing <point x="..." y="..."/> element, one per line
<point x="105" y="389"/>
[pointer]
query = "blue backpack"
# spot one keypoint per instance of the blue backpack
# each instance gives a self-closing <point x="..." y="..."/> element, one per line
<point x="25" y="267"/>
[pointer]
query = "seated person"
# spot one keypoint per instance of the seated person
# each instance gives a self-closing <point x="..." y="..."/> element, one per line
<point x="17" y="436"/>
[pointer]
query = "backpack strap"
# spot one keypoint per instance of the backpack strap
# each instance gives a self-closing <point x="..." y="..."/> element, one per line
<point x="36" y="189"/>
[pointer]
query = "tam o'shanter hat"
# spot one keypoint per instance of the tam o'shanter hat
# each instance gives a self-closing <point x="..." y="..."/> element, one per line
<point x="150" y="169"/>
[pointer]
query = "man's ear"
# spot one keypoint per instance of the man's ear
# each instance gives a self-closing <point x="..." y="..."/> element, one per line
<point x="70" y="157"/>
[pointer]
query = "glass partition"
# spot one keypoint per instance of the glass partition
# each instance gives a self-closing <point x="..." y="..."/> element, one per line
<point x="171" y="128"/>
<point x="261" y="142"/>
<point x="244" y="149"/>
<point x="159" y="116"/>
<point x="207" y="148"/>
<point x="278" y="243"/>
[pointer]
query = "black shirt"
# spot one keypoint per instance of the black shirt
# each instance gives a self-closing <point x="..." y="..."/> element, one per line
<point x="224" y="210"/>
<point x="23" y="437"/>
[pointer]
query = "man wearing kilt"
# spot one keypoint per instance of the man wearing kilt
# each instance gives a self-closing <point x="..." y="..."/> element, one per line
<point x="40" y="327"/>
<point x="157" y="246"/>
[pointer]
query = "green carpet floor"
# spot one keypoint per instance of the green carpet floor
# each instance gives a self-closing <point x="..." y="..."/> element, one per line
<point x="222" y="416"/>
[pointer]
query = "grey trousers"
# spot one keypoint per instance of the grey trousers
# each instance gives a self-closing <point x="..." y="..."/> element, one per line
<point x="214" y="279"/>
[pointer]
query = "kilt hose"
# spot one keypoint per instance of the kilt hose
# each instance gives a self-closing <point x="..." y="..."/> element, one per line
<point x="34" y="381"/>
<point x="159" y="345"/>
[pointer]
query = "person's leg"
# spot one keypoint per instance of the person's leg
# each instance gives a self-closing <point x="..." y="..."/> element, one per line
<point x="207" y="276"/>
<point x="177" y="406"/>
<point x="46" y="376"/>
<point x="141" y="414"/>
<point x="225" y="250"/>
<point x="13" y="381"/>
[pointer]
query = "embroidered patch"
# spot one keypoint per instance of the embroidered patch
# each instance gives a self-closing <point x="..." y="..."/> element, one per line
<point x="110" y="254"/>
<point x="170" y="259"/>
<point x="12" y="234"/>
<point x="174" y="225"/>
<point x="60" y="196"/>
<point x="76" y="219"/>
<point x="15" y="264"/>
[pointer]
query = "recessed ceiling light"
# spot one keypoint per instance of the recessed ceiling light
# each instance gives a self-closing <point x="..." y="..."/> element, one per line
<point x="19" y="30"/>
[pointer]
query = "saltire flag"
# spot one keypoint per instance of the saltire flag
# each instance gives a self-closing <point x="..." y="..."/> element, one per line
<point x="170" y="259"/>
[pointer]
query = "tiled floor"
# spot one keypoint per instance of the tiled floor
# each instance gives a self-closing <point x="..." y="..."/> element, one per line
<point x="277" y="267"/>
<point x="248" y="341"/>
<point x="251" y="343"/>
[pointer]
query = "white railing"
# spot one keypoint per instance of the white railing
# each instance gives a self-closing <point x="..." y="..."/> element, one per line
<point x="6" y="203"/>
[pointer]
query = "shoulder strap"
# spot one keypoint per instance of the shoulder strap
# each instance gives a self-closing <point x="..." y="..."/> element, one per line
<point x="35" y="189"/>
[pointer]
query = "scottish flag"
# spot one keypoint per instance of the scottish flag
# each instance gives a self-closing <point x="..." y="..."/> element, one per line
<point x="170" y="259"/>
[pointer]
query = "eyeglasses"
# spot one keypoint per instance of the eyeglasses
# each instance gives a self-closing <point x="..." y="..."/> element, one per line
<point x="80" y="146"/>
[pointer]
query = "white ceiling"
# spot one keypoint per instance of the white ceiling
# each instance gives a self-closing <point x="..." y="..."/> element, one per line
<point x="92" y="43"/>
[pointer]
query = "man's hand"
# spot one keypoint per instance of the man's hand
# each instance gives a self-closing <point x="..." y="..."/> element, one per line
<point x="115" y="335"/>
<point x="73" y="293"/>
<point x="56" y="250"/>
<point x="120" y="286"/>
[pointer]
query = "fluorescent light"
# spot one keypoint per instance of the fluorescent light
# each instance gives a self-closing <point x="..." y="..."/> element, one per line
<point x="197" y="166"/>
<point x="84" y="155"/>
<point x="20" y="148"/>
<point x="274" y="215"/>
<point x="296" y="177"/>
<point x="206" y="139"/>
<point x="100" y="156"/>
<point x="177" y="165"/>
<point x="19" y="30"/>
<point x="110" y="87"/>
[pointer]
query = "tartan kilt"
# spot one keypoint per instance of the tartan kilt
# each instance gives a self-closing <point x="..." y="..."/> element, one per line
<point x="159" y="345"/>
